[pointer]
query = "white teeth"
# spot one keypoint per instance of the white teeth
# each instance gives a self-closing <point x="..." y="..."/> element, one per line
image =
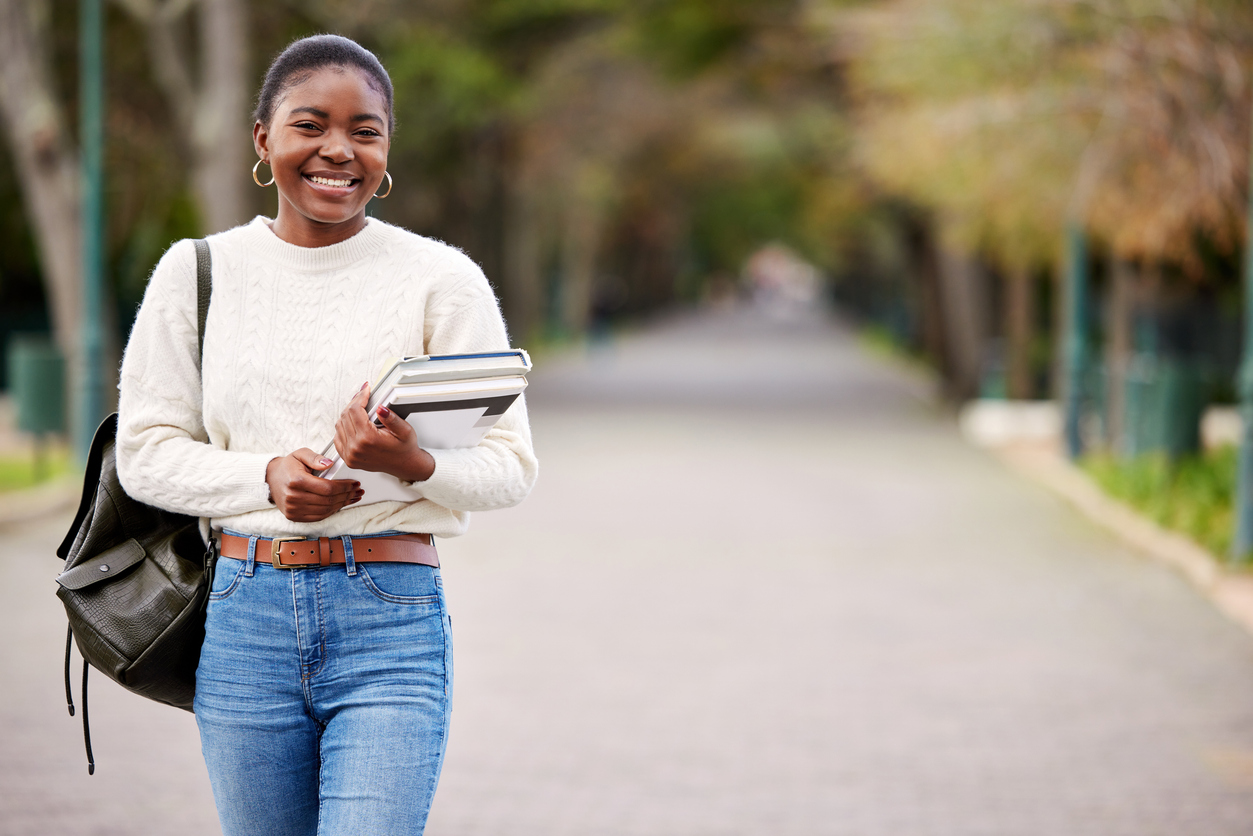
<point x="322" y="181"/>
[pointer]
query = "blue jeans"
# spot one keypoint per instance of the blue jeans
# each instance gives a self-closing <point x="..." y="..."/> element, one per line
<point x="323" y="697"/>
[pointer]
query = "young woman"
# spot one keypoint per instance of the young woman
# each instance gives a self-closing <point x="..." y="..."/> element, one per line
<point x="322" y="694"/>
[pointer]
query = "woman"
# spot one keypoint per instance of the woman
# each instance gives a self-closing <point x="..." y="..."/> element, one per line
<point x="323" y="691"/>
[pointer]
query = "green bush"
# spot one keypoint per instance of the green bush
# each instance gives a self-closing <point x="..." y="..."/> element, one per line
<point x="1193" y="494"/>
<point x="20" y="471"/>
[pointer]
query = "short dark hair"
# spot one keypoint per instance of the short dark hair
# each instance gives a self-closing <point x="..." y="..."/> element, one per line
<point x="304" y="57"/>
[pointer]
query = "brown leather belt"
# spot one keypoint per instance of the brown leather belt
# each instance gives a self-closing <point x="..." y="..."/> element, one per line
<point x="297" y="552"/>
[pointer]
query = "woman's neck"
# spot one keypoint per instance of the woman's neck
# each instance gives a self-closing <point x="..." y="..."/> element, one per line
<point x="292" y="227"/>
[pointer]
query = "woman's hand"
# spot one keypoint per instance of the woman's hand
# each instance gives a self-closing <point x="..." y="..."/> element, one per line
<point x="392" y="448"/>
<point x="300" y="494"/>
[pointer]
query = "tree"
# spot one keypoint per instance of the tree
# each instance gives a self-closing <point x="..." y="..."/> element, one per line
<point x="46" y="159"/>
<point x="1130" y="116"/>
<point x="209" y="106"/>
<point x="1125" y="118"/>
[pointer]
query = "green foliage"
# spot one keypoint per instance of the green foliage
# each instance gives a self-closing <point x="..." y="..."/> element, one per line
<point x="444" y="84"/>
<point x="526" y="29"/>
<point x="18" y="472"/>
<point x="880" y="341"/>
<point x="688" y="36"/>
<point x="1193" y="495"/>
<point x="733" y="216"/>
<point x="785" y="175"/>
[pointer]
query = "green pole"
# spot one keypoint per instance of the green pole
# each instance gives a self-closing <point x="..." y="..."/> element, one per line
<point x="1075" y="338"/>
<point x="1242" y="543"/>
<point x="91" y="129"/>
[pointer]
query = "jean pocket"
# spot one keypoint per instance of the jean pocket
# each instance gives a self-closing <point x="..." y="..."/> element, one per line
<point x="401" y="583"/>
<point x="226" y="575"/>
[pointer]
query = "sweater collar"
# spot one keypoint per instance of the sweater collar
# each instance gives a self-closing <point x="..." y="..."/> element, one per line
<point x="368" y="241"/>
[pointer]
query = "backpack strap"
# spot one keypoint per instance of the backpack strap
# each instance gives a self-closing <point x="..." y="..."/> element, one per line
<point x="204" y="291"/>
<point x="107" y="430"/>
<point x="204" y="288"/>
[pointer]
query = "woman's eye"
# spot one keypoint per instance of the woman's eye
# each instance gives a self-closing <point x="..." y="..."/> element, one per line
<point x="307" y="126"/>
<point x="368" y="132"/>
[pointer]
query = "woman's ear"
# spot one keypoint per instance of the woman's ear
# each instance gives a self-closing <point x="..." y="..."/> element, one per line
<point x="261" y="140"/>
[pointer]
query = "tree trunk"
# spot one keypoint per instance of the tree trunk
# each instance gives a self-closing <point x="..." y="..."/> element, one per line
<point x="963" y="306"/>
<point x="211" y="114"/>
<point x="521" y="281"/>
<point x="46" y="162"/>
<point x="1019" y="332"/>
<point x="580" y="246"/>
<point x="220" y="133"/>
<point x="925" y="261"/>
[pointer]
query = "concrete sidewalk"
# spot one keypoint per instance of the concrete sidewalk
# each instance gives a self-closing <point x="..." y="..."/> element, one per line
<point x="761" y="587"/>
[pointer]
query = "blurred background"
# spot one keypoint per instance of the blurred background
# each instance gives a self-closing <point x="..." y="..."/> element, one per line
<point x="937" y="168"/>
<point x="764" y="252"/>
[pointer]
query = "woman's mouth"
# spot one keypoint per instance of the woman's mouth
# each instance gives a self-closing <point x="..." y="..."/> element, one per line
<point x="331" y="182"/>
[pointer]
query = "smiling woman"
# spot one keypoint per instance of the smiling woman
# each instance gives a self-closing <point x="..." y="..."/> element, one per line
<point x="325" y="136"/>
<point x="325" y="678"/>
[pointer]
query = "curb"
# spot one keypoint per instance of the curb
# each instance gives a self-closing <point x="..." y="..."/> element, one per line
<point x="1230" y="590"/>
<point x="57" y="495"/>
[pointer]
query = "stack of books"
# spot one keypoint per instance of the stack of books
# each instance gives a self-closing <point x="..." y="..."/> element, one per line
<point x="450" y="400"/>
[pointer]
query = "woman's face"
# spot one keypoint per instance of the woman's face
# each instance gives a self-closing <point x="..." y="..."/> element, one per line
<point x="327" y="146"/>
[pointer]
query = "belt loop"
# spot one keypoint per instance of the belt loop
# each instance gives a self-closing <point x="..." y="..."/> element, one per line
<point x="349" y="560"/>
<point x="251" y="563"/>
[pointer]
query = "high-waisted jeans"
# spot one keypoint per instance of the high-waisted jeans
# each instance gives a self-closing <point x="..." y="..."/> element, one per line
<point x="323" y="697"/>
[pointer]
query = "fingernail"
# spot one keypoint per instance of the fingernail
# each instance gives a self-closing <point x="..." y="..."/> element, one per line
<point x="363" y="385"/>
<point x="356" y="486"/>
<point x="326" y="462"/>
<point x="384" y="411"/>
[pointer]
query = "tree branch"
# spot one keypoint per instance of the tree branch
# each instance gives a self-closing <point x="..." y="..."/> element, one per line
<point x="170" y="66"/>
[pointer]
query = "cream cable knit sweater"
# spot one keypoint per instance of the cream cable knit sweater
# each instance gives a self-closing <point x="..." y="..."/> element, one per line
<point x="292" y="334"/>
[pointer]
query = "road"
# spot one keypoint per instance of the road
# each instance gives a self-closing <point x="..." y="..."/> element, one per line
<point x="762" y="587"/>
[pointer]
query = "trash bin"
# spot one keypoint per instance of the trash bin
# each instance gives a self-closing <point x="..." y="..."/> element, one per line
<point x="37" y="384"/>
<point x="1165" y="398"/>
<point x="1181" y="401"/>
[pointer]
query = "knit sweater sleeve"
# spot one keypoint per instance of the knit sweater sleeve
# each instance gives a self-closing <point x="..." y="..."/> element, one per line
<point x="502" y="469"/>
<point x="164" y="456"/>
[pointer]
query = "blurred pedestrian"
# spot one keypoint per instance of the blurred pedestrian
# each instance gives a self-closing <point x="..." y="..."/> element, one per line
<point x="322" y="694"/>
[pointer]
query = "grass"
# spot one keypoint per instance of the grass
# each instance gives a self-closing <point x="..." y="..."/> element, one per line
<point x="1193" y="495"/>
<point x="881" y="342"/>
<point x="18" y="472"/>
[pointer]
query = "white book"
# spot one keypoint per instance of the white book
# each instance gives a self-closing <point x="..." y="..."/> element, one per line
<point x="451" y="401"/>
<point x="430" y="368"/>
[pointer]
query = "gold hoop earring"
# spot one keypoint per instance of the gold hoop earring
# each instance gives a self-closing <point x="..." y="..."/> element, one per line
<point x="389" y="186"/>
<point x="257" y="179"/>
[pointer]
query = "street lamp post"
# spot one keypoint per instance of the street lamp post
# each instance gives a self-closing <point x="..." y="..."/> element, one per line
<point x="1075" y="338"/>
<point x="91" y="129"/>
<point x="1242" y="542"/>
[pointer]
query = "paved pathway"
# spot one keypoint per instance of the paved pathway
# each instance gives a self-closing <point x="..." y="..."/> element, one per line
<point x="761" y="588"/>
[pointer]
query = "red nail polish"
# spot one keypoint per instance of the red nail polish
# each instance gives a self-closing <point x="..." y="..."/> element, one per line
<point x="384" y="411"/>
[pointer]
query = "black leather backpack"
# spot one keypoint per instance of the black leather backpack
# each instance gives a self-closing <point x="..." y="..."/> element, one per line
<point x="136" y="579"/>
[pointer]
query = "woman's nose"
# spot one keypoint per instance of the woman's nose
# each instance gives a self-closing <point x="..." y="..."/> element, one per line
<point x="336" y="148"/>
